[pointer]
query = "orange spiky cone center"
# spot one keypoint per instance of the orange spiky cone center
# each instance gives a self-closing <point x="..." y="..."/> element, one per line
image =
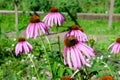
<point x="70" y="41"/>
<point x="118" y="40"/>
<point x="54" y="9"/>
<point x="76" y="27"/>
<point x="21" y="39"/>
<point x="35" y="19"/>
<point x="107" y="78"/>
<point x="66" y="78"/>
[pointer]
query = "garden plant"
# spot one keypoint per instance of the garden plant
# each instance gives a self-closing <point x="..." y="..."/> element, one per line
<point x="81" y="51"/>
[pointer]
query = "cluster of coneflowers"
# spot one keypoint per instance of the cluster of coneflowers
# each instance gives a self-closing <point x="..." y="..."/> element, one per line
<point x="76" y="51"/>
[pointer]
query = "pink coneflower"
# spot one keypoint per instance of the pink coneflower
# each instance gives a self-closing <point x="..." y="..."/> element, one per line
<point x="35" y="27"/>
<point x="75" y="51"/>
<point x="23" y="47"/>
<point x="78" y="33"/>
<point x="54" y="17"/>
<point x="115" y="46"/>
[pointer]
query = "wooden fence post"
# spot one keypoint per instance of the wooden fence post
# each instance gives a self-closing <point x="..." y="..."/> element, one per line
<point x="111" y="14"/>
<point x="16" y="16"/>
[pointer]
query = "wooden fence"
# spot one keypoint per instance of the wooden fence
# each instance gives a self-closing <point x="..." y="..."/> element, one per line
<point x="86" y="16"/>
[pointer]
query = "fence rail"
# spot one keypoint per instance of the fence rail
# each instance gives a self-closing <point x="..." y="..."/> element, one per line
<point x="87" y="16"/>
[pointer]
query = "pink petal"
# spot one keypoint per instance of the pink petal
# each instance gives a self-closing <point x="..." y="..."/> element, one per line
<point x="27" y="30"/>
<point x="80" y="55"/>
<point x="17" y="49"/>
<point x="25" y="47"/>
<point x="86" y="50"/>
<point x="73" y="58"/>
<point x="31" y="30"/>
<point x="64" y="54"/>
<point x="110" y="46"/>
<point x="45" y="19"/>
<point x="36" y="30"/>
<point x="30" y="46"/>
<point x="42" y="27"/>
<point x="77" y="58"/>
<point x="116" y="45"/>
<point x="68" y="58"/>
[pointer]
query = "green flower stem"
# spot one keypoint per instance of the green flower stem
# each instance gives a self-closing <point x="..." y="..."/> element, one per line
<point x="34" y="67"/>
<point x="75" y="73"/>
<point x="48" y="43"/>
<point x="86" y="72"/>
<point x="58" y="40"/>
<point x="46" y="54"/>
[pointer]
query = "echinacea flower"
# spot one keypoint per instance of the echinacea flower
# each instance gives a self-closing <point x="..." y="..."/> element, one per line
<point x="107" y="78"/>
<point x="78" y="33"/>
<point x="36" y="27"/>
<point x="115" y="46"/>
<point x="23" y="47"/>
<point x="76" y="51"/>
<point x="54" y="17"/>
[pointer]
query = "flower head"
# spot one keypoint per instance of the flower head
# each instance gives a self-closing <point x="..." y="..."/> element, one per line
<point x="54" y="17"/>
<point x="107" y="78"/>
<point x="115" y="46"/>
<point x="35" y="27"/>
<point x="78" y="32"/>
<point x="75" y="51"/>
<point x="23" y="47"/>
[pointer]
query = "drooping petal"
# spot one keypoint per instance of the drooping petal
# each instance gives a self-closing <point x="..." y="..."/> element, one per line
<point x="30" y="46"/>
<point x="64" y="54"/>
<point x="45" y="19"/>
<point x="25" y="47"/>
<point x="69" y="58"/>
<point x="35" y="30"/>
<point x="86" y="50"/>
<point x="32" y="30"/>
<point x="17" y="49"/>
<point x="110" y="46"/>
<point x="73" y="58"/>
<point x="77" y="58"/>
<point x="115" y="48"/>
<point x="49" y="21"/>
<point x="42" y="27"/>
<point x="28" y="31"/>
<point x="81" y="56"/>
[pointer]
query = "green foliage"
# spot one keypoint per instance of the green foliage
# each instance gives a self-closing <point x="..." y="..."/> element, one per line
<point x="92" y="6"/>
<point x="117" y="6"/>
<point x="21" y="67"/>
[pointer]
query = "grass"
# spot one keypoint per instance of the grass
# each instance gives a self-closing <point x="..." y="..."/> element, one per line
<point x="89" y="26"/>
<point x="10" y="64"/>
